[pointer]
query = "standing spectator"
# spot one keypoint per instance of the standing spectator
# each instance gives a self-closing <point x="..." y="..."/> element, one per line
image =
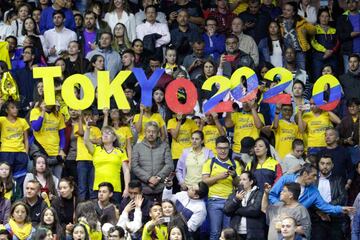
<point x="189" y="167"/>
<point x="306" y="177"/>
<point x="244" y="208"/>
<point x="76" y="63"/>
<point x="341" y="159"/>
<point x="294" y="160"/>
<point x="332" y="190"/>
<point x="47" y="14"/>
<point x="112" y="60"/>
<point x="102" y="204"/>
<point x="248" y="122"/>
<point x="121" y="40"/>
<point x="349" y="129"/>
<point x="5" y="206"/>
<point x="15" y="53"/>
<point x="97" y="8"/>
<point x="295" y="30"/>
<point x="246" y="43"/>
<point x="351" y="79"/>
<point x="289" y="206"/>
<point x="212" y="130"/>
<point x="48" y="127"/>
<point x="348" y="28"/>
<point x="255" y="21"/>
<point x="151" y="168"/>
<point x="325" y="44"/>
<point x="271" y="48"/>
<point x="184" y="36"/>
<point x="307" y="11"/>
<point x="223" y="15"/>
<point x="214" y="42"/>
<point x="119" y="12"/>
<point x="219" y="173"/>
<point x="58" y="38"/>
<point x="314" y="124"/>
<point x="108" y="161"/>
<point x="29" y="28"/>
<point x="264" y="167"/>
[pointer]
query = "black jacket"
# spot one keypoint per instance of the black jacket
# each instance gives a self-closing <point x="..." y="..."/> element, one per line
<point x="350" y="83"/>
<point x="344" y="29"/>
<point x="338" y="197"/>
<point x="255" y="219"/>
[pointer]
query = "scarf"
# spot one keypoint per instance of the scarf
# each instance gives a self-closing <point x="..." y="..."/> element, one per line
<point x="21" y="232"/>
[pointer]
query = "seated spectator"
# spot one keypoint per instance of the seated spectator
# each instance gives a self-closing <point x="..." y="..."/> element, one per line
<point x="97" y="63"/>
<point x="29" y="28"/>
<point x="112" y="60"/>
<point x="88" y="36"/>
<point x="50" y="220"/>
<point x="23" y="11"/>
<point x="133" y="208"/>
<point x="228" y="234"/>
<point x="214" y="42"/>
<point x="233" y="58"/>
<point x="97" y="8"/>
<point x="42" y="233"/>
<point x="12" y="192"/>
<point x="121" y="40"/>
<point x="42" y="174"/>
<point x="194" y="61"/>
<point x="170" y="64"/>
<point x="118" y="12"/>
<point x="269" y="7"/>
<point x="5" y="235"/>
<point x="34" y="202"/>
<point x="140" y="16"/>
<point x="19" y="224"/>
<point x="289" y="206"/>
<point x="223" y="15"/>
<point x="79" y="231"/>
<point x="15" y="53"/>
<point x="244" y="208"/>
<point x="103" y="203"/>
<point x="116" y="233"/>
<point x="176" y="233"/>
<point x="85" y="213"/>
<point x="193" y="9"/>
<point x="76" y="63"/>
<point x="5" y="206"/>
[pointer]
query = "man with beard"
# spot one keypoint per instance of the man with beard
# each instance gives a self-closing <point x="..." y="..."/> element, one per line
<point x="89" y="35"/>
<point x="233" y="58"/>
<point x="332" y="190"/>
<point x="58" y="38"/>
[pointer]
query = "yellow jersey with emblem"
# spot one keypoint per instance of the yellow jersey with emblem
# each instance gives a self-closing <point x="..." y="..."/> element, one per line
<point x="285" y="134"/>
<point x="316" y="127"/>
<point x="12" y="134"/>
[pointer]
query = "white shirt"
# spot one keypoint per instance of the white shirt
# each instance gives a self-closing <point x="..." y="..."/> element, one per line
<point x="311" y="15"/>
<point x="17" y="26"/>
<point x="276" y="58"/>
<point x="324" y="189"/>
<point x="59" y="39"/>
<point x="127" y="19"/>
<point x="147" y="28"/>
<point x="5" y="30"/>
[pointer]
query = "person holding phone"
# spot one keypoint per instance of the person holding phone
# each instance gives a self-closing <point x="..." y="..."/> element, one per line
<point x="244" y="209"/>
<point x="155" y="227"/>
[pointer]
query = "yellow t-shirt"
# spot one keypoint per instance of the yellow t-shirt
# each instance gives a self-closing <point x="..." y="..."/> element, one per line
<point x="222" y="188"/>
<point x="12" y="134"/>
<point x="161" y="232"/>
<point x="285" y="134"/>
<point x="48" y="136"/>
<point x="123" y="133"/>
<point x="108" y="166"/>
<point x="210" y="134"/>
<point x="244" y="126"/>
<point x="82" y="154"/>
<point x="240" y="8"/>
<point x="156" y="117"/>
<point x="316" y="128"/>
<point x="184" y="137"/>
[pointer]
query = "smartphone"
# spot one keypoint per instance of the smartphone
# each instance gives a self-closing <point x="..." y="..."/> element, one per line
<point x="231" y="168"/>
<point x="165" y="219"/>
<point x="229" y="58"/>
<point x="240" y="188"/>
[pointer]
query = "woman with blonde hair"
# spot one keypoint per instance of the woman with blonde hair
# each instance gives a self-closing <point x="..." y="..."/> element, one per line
<point x="121" y="40"/>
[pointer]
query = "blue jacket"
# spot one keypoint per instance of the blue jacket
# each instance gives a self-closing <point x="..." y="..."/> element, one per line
<point x="215" y="47"/>
<point x="310" y="197"/>
<point x="46" y="19"/>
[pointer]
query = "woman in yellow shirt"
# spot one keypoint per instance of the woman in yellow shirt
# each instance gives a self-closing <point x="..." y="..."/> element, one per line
<point x="14" y="142"/>
<point x="122" y="129"/>
<point x="48" y="127"/>
<point x="108" y="161"/>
